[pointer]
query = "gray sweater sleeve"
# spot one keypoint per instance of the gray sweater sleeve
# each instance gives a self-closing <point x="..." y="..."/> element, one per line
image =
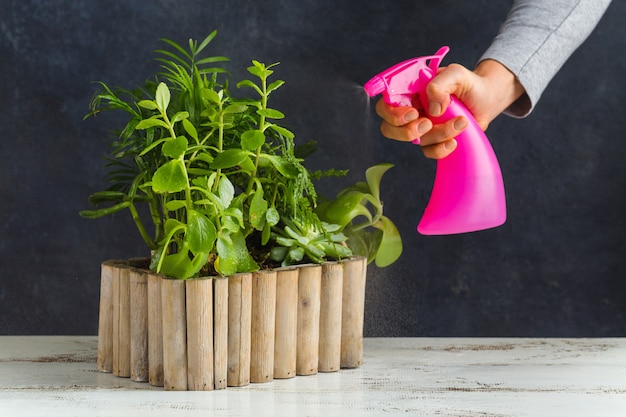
<point x="537" y="38"/>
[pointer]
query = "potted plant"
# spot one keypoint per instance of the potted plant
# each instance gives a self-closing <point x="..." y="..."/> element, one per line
<point x="218" y="188"/>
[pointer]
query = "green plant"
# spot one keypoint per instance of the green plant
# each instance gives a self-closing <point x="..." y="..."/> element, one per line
<point x="225" y="189"/>
<point x="314" y="241"/>
<point x="358" y="211"/>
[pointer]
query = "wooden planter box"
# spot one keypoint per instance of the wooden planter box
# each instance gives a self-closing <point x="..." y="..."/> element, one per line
<point x="210" y="333"/>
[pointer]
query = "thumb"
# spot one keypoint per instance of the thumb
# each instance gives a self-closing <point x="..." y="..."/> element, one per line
<point x="449" y="80"/>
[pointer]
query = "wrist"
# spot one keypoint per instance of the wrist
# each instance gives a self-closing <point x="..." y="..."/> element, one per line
<point x="503" y="85"/>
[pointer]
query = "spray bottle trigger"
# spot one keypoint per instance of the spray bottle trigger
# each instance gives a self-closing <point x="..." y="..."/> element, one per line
<point x="437" y="58"/>
<point x="424" y="77"/>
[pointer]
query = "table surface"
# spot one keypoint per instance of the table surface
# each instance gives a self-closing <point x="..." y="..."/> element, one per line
<point x="56" y="376"/>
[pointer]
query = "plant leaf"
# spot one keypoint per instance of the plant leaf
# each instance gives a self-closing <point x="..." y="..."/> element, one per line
<point x="170" y="178"/>
<point x="235" y="108"/>
<point x="102" y="196"/>
<point x="230" y="224"/>
<point x="226" y="191"/>
<point x="271" y="216"/>
<point x="206" y="41"/>
<point x="147" y="104"/>
<point x="181" y="115"/>
<point x="172" y="226"/>
<point x="271" y="113"/>
<point x="284" y="166"/>
<point x="248" y="83"/>
<point x="258" y="209"/>
<point x="176" y="265"/>
<point x="373" y="175"/>
<point x="174" y="205"/>
<point x="295" y="255"/>
<point x="335" y="250"/>
<point x="344" y="209"/>
<point x="179" y="265"/>
<point x="210" y="60"/>
<point x="266" y="234"/>
<point x="151" y="122"/>
<point x="229" y="158"/>
<point x="175" y="148"/>
<point x="285" y="241"/>
<point x="162" y="97"/>
<point x="279" y="253"/>
<point x="204" y="157"/>
<point x="211" y="95"/>
<point x="94" y="214"/>
<point x="177" y="47"/>
<point x="282" y="131"/>
<point x="274" y="85"/>
<point x="152" y="146"/>
<point x="364" y="242"/>
<point x="252" y="139"/>
<point x="391" y="244"/>
<point x="257" y="69"/>
<point x="201" y="233"/>
<point x="190" y="129"/>
<point x="233" y="254"/>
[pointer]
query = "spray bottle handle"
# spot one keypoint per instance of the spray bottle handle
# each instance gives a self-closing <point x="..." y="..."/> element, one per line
<point x="468" y="192"/>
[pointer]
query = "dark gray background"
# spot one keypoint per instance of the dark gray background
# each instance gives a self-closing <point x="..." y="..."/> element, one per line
<point x="556" y="268"/>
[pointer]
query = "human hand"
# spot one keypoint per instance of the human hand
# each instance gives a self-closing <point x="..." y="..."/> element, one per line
<point x="486" y="92"/>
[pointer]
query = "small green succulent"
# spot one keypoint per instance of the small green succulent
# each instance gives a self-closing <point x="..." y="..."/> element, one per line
<point x="305" y="240"/>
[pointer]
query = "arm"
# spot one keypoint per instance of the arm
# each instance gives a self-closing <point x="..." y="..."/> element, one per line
<point x="536" y="40"/>
<point x="533" y="43"/>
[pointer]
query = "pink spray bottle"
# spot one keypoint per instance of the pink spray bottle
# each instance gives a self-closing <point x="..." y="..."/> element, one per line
<point x="468" y="192"/>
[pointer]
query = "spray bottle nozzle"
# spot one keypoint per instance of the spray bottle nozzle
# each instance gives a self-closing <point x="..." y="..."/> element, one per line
<point x="375" y="86"/>
<point x="406" y="80"/>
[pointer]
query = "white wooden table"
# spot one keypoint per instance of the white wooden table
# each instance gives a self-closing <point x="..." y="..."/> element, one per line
<point x="56" y="376"/>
